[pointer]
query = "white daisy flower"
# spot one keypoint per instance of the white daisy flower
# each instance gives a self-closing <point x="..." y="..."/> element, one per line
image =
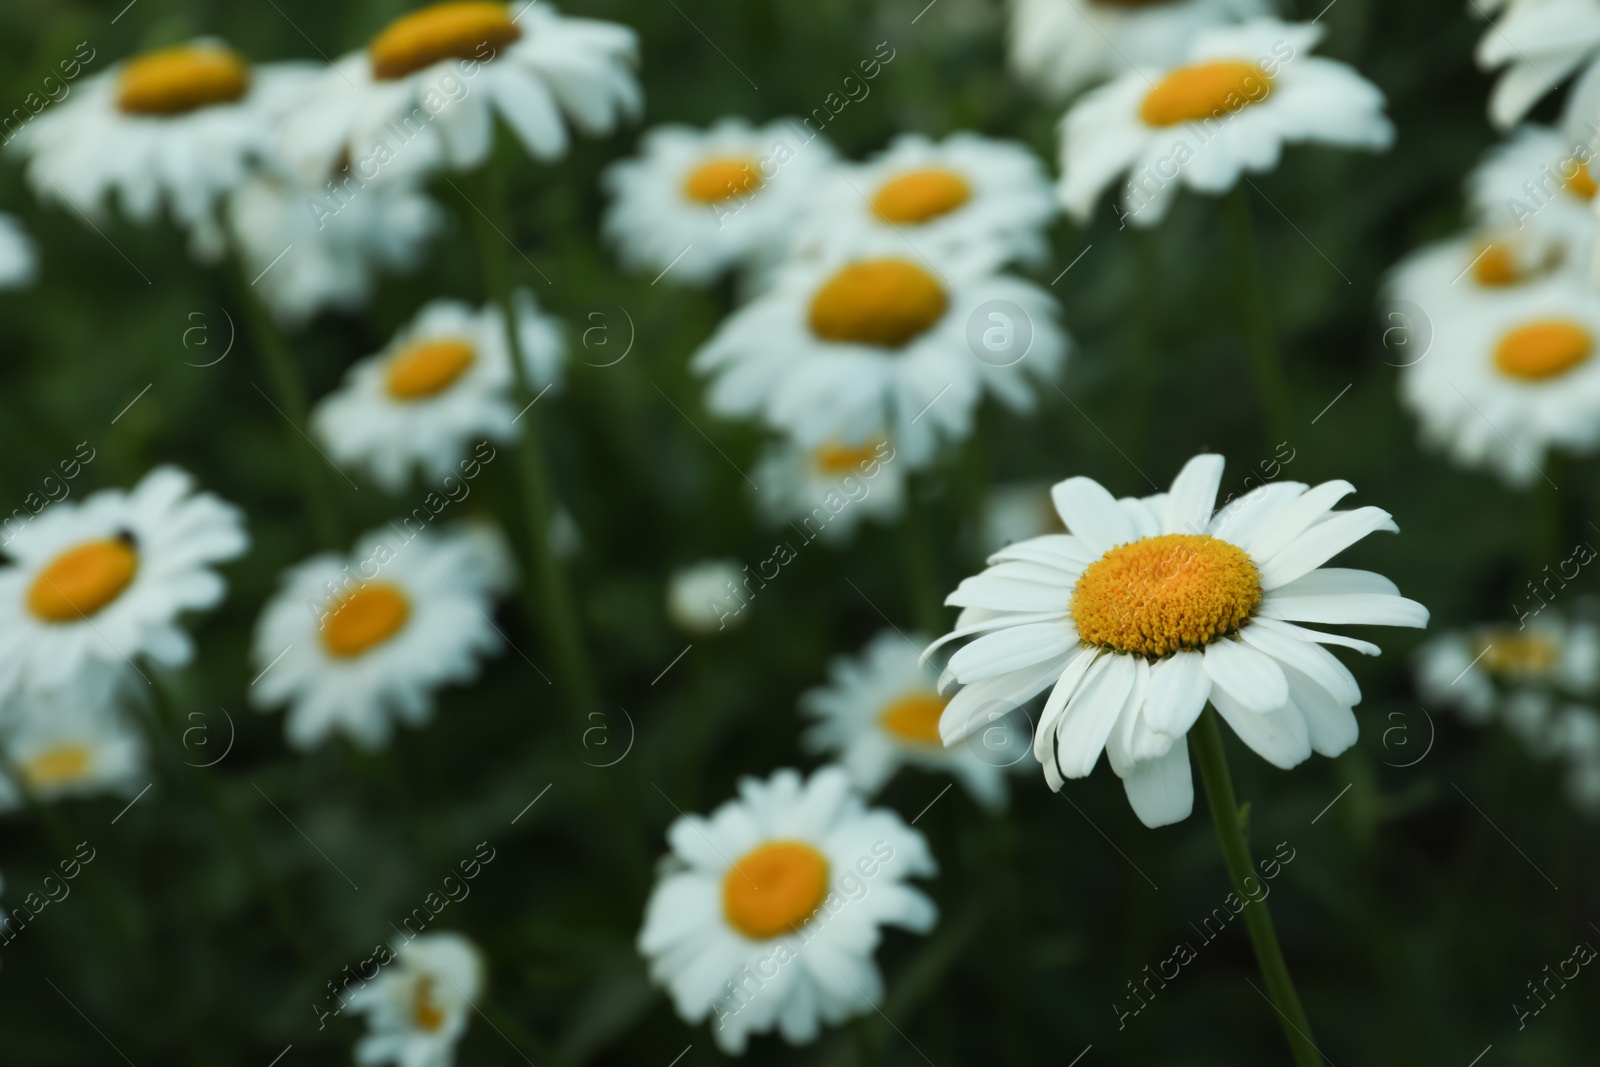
<point x="104" y="580"/>
<point x="1476" y="670"/>
<point x="426" y="90"/>
<point x="829" y="489"/>
<point x="443" y="382"/>
<point x="1150" y="607"/>
<point x="1242" y="94"/>
<point x="695" y="203"/>
<point x="1537" y="185"/>
<point x="943" y="198"/>
<point x="768" y="912"/>
<point x="880" y="712"/>
<point x="1507" y="373"/>
<point x="71" y="740"/>
<point x="418" y="1006"/>
<point x="1017" y="512"/>
<point x="1061" y="46"/>
<point x="1538" y="43"/>
<point x="305" y="261"/>
<point x="351" y="644"/>
<point x="19" y="261"/>
<point x="701" y="598"/>
<point x="841" y="347"/>
<point x="179" y="128"/>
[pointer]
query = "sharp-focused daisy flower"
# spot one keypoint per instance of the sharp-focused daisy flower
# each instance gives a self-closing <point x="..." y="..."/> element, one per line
<point x="843" y="346"/>
<point x="305" y="261"/>
<point x="443" y="382"/>
<point x="1241" y="94"/>
<point x="426" y="90"/>
<point x="1508" y="371"/>
<point x="1061" y="46"/>
<point x="351" y="644"/>
<point x="104" y="581"/>
<point x="1538" y="43"/>
<point x="695" y="203"/>
<point x="702" y="597"/>
<point x="19" y="262"/>
<point x="880" y="711"/>
<point x="71" y="740"/>
<point x="1150" y="607"/>
<point x="1476" y="670"/>
<point x="1017" y="512"/>
<point x="1537" y="186"/>
<point x="948" y="197"/>
<point x="419" y="1005"/>
<point x="827" y="490"/>
<point x="768" y="912"/>
<point x="179" y="128"/>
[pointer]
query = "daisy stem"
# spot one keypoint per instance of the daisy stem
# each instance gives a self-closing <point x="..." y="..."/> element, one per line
<point x="1265" y="360"/>
<point x="1225" y="814"/>
<point x="547" y="589"/>
<point x="278" y="361"/>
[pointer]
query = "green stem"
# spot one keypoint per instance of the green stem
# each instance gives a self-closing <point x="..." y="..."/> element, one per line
<point x="547" y="589"/>
<point x="278" y="361"/>
<point x="1265" y="360"/>
<point x="1207" y="739"/>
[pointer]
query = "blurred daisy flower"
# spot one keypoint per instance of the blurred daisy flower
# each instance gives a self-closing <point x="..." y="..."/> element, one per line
<point x="71" y="740"/>
<point x="695" y="203"/>
<point x="880" y="711"/>
<point x="1150" y="607"/>
<point x="351" y="644"/>
<point x="767" y="913"/>
<point x="19" y="260"/>
<point x="179" y="127"/>
<point x="1061" y="46"/>
<point x="104" y="580"/>
<point x="1241" y="95"/>
<point x="701" y="597"/>
<point x="426" y="90"/>
<point x="1538" y="184"/>
<point x="829" y="489"/>
<point x="1475" y="671"/>
<point x="443" y="382"/>
<point x="841" y="347"/>
<point x="418" y="1006"/>
<point x="1538" y="43"/>
<point x="943" y="198"/>
<point x="1508" y="371"/>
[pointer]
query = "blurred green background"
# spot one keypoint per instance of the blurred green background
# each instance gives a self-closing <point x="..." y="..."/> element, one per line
<point x="1409" y="921"/>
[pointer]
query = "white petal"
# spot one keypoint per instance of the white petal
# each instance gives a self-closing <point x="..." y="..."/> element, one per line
<point x="1361" y="609"/>
<point x="1161" y="790"/>
<point x="984" y="625"/>
<point x="1179" y="688"/>
<point x="1092" y="712"/>
<point x="976" y="704"/>
<point x="1056" y="703"/>
<point x="1280" y="738"/>
<point x="1322" y="542"/>
<point x="1252" y="678"/>
<point x="1297" y="518"/>
<point x="1329" y="722"/>
<point x="1188" y="505"/>
<point x="1011" y="649"/>
<point x="1092" y="514"/>
<point x="1338" y="580"/>
<point x="1309" y="659"/>
<point x="1366" y="648"/>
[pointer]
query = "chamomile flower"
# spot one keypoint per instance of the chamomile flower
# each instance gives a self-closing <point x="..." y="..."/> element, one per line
<point x="419" y="1005"/>
<point x="1508" y="371"/>
<point x="19" y="262"/>
<point x="947" y="197"/>
<point x="179" y="128"/>
<point x="1538" y="43"/>
<point x="696" y="202"/>
<point x="352" y="644"/>
<point x="443" y="382"/>
<point x="880" y="711"/>
<point x="105" y="580"/>
<point x="826" y="491"/>
<point x="71" y="740"/>
<point x="842" y="346"/>
<point x="768" y="912"/>
<point x="1477" y="670"/>
<point x="1150" y="607"/>
<point x="701" y="597"/>
<point x="426" y="90"/>
<point x="1240" y="94"/>
<point x="1537" y="185"/>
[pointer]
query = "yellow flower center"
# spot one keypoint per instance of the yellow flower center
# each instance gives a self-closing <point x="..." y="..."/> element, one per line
<point x="425" y="1011"/>
<point x="1542" y="350"/>
<point x="57" y="766"/>
<point x="773" y="889"/>
<point x="1203" y="91"/>
<point x="1155" y="596"/>
<point x="1514" y="653"/>
<point x="877" y="302"/>
<point x="427" y="368"/>
<point x="441" y="31"/>
<point x="920" y="196"/>
<point x="365" y="619"/>
<point x="83" y="580"/>
<point x="717" y="180"/>
<point x="1580" y="183"/>
<point x="175" y="81"/>
<point x="915" y="718"/>
<point x="1496" y="267"/>
<point x="836" y="459"/>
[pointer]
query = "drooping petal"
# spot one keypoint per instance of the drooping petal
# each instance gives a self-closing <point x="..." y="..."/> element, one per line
<point x="1250" y="677"/>
<point x="1161" y="790"/>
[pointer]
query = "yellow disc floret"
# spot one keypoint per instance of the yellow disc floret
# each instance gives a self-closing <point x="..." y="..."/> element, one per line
<point x="426" y="1015"/>
<point x="836" y="459"/>
<point x="83" y="580"/>
<point x="1577" y="179"/>
<point x="427" y="368"/>
<point x="721" y="179"/>
<point x="1545" y="349"/>
<point x="915" y="718"/>
<point x="466" y="30"/>
<point x="364" y="619"/>
<point x="1518" y="654"/>
<point x="57" y="766"/>
<point x="1203" y="91"/>
<point x="877" y="302"/>
<point x="774" y="888"/>
<point x="920" y="196"/>
<point x="1155" y="596"/>
<point x="175" y="81"/>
